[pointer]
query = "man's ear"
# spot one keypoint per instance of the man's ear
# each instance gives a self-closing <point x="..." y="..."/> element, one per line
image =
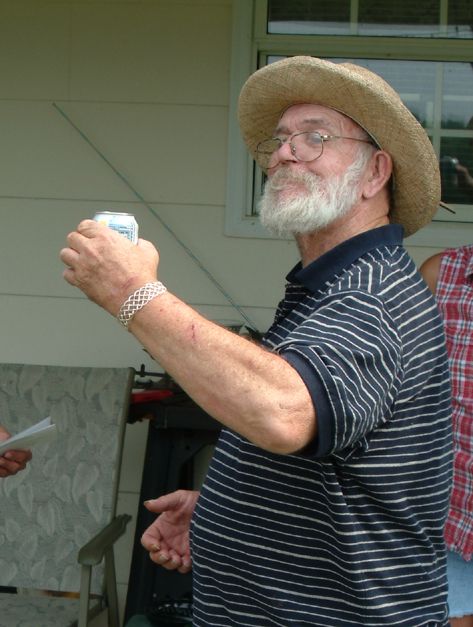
<point x="378" y="173"/>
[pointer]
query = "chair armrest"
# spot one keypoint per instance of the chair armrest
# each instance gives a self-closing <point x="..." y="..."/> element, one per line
<point x="93" y="552"/>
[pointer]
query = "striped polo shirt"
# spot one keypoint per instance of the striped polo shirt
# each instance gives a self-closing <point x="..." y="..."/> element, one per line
<point x="349" y="531"/>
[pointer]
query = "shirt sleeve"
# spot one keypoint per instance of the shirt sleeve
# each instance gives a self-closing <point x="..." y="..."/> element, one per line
<point x="348" y="353"/>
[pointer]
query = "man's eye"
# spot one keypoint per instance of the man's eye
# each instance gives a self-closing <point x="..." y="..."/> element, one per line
<point x="314" y="139"/>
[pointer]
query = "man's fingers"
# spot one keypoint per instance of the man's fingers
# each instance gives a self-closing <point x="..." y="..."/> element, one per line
<point x="167" y="560"/>
<point x="68" y="256"/>
<point x="184" y="569"/>
<point x="157" y="506"/>
<point x="89" y="227"/>
<point x="159" y="557"/>
<point x="150" y="544"/>
<point x="76" y="240"/>
<point x="70" y="276"/>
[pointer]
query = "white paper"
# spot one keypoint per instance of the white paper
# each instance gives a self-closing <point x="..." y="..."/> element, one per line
<point x="40" y="432"/>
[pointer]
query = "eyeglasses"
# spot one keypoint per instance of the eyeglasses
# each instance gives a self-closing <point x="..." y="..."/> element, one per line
<point x="305" y="146"/>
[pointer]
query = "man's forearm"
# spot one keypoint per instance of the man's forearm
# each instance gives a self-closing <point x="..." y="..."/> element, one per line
<point x="245" y="387"/>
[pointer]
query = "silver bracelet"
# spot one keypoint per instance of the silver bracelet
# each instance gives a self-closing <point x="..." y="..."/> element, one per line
<point x="138" y="300"/>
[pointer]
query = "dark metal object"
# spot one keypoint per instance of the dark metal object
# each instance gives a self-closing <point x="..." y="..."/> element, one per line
<point x="178" y="430"/>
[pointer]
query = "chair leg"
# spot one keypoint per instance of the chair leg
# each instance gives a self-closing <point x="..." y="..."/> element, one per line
<point x="111" y="588"/>
<point x="84" y="596"/>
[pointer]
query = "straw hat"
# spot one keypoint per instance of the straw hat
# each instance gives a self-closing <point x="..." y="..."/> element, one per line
<point x="370" y="102"/>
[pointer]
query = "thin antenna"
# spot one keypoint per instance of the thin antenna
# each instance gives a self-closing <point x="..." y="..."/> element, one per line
<point x="157" y="216"/>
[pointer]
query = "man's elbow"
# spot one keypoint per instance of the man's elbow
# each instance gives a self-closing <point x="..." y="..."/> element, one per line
<point x="289" y="434"/>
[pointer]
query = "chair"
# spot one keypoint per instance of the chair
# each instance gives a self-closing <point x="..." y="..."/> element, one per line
<point x="57" y="522"/>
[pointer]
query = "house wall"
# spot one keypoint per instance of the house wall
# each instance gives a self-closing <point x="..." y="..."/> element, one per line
<point x="147" y="82"/>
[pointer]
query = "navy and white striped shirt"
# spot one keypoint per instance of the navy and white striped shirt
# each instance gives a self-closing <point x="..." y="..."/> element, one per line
<point x="350" y="531"/>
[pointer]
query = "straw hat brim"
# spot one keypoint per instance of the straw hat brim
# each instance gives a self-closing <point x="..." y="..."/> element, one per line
<point x="368" y="100"/>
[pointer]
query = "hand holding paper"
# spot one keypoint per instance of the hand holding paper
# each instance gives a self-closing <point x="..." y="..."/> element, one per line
<point x="14" y="451"/>
<point x="40" y="432"/>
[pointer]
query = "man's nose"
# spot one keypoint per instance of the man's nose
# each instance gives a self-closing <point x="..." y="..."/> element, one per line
<point x="286" y="152"/>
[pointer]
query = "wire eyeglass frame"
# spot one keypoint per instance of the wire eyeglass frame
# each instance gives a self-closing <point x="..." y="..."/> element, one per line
<point x="266" y="151"/>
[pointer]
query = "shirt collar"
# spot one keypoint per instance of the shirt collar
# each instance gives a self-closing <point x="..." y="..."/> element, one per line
<point x="317" y="273"/>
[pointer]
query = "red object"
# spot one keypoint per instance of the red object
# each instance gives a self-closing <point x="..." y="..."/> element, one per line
<point x="150" y="395"/>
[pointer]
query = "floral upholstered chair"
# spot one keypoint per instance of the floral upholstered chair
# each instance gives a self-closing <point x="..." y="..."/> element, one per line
<point x="57" y="521"/>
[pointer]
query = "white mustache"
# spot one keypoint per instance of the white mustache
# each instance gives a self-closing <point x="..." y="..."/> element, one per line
<point x="281" y="178"/>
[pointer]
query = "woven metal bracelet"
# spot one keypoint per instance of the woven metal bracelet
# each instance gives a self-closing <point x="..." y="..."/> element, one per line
<point x="138" y="300"/>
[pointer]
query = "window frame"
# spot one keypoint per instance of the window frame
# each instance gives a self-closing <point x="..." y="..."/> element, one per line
<point x="251" y="44"/>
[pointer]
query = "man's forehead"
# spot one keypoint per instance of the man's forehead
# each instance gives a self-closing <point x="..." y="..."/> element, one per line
<point x="312" y="114"/>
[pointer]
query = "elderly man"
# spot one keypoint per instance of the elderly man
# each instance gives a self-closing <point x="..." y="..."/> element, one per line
<point x="325" y="500"/>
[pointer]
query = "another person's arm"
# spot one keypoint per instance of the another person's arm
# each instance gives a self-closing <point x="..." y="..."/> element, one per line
<point x="430" y="271"/>
<point x="12" y="461"/>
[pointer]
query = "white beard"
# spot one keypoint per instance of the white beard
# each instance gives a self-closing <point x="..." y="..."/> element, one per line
<point x="310" y="210"/>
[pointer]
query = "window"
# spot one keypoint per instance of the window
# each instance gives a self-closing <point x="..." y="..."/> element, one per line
<point x="402" y="18"/>
<point x="422" y="49"/>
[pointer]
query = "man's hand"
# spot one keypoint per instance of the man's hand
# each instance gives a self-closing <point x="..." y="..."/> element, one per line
<point x="106" y="266"/>
<point x="167" y="539"/>
<point x="12" y="461"/>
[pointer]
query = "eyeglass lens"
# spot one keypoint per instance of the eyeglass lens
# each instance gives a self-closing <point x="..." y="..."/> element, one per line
<point x="304" y="146"/>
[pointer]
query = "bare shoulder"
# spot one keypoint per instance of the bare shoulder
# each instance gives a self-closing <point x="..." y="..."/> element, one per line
<point x="430" y="271"/>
